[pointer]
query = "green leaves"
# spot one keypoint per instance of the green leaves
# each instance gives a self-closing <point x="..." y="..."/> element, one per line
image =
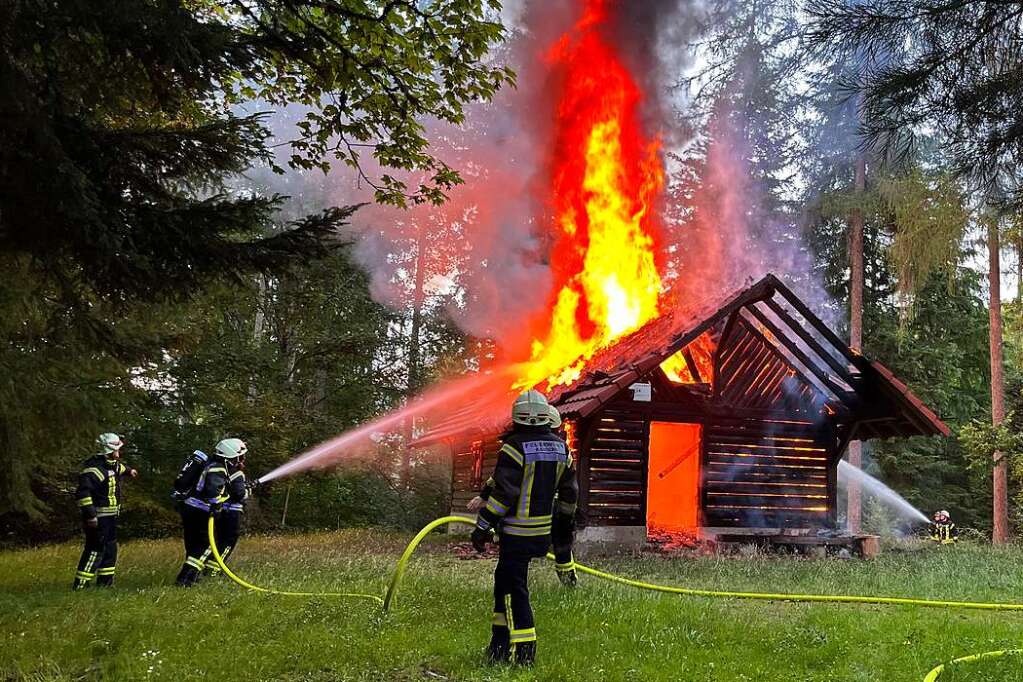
<point x="982" y="440"/>
<point x="931" y="219"/>
<point x="373" y="71"/>
<point x="120" y="124"/>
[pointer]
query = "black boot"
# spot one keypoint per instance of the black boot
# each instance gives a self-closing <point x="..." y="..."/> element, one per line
<point x="187" y="576"/>
<point x="525" y="653"/>
<point x="499" y="649"/>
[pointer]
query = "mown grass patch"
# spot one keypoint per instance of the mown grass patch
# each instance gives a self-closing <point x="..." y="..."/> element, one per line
<point x="147" y="629"/>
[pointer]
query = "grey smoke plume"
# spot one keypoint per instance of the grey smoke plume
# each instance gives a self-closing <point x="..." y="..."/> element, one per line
<point x="503" y="152"/>
<point x="486" y="250"/>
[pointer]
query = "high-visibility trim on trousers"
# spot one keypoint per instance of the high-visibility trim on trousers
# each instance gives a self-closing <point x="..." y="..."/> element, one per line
<point x="520" y="636"/>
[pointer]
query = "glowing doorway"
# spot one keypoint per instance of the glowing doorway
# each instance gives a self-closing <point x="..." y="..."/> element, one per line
<point x="673" y="477"/>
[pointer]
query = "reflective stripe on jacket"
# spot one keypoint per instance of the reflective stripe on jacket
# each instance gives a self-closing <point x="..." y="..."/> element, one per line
<point x="534" y="470"/>
<point x="99" y="487"/>
<point x="944" y="533"/>
<point x="211" y="488"/>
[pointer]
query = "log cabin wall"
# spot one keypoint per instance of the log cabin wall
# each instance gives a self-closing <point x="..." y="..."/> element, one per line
<point x="767" y="474"/>
<point x="755" y="473"/>
<point x="613" y="468"/>
<point x="472" y="461"/>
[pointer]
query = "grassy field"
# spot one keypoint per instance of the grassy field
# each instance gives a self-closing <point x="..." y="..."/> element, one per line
<point x="147" y="629"/>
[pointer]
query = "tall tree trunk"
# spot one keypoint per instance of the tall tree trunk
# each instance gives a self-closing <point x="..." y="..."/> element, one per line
<point x="1019" y="264"/>
<point x="414" y="354"/>
<point x="1000" y="523"/>
<point x="854" y="512"/>
<point x="259" y="324"/>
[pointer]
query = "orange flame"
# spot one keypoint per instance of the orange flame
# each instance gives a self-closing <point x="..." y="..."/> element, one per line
<point x="606" y="175"/>
<point x="701" y="351"/>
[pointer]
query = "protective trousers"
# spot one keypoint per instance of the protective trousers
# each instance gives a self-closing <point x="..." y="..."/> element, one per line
<point x="99" y="557"/>
<point x="197" y="544"/>
<point x="512" y="624"/>
<point x="562" y="536"/>
<point x="226" y="530"/>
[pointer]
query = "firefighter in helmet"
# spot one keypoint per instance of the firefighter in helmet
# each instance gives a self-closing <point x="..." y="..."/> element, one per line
<point x="206" y="497"/>
<point x="533" y="481"/>
<point x="99" y="498"/>
<point x="562" y="526"/>
<point x="227" y="527"/>
<point x="943" y="531"/>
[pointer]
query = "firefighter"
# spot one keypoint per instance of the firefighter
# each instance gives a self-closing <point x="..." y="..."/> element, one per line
<point x="533" y="481"/>
<point x="943" y="531"/>
<point x="206" y="497"/>
<point x="99" y="498"/>
<point x="562" y="527"/>
<point x="227" y="528"/>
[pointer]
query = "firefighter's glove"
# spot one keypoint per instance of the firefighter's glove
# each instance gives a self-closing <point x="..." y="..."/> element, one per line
<point x="215" y="509"/>
<point x="568" y="577"/>
<point x="481" y="535"/>
<point x="253" y="484"/>
<point x="91" y="523"/>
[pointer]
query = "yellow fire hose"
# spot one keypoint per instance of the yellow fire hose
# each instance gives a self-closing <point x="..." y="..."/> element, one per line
<point x="399" y="573"/>
<point x="256" y="588"/>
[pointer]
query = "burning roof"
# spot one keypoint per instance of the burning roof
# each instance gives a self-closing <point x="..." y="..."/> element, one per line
<point x="769" y="345"/>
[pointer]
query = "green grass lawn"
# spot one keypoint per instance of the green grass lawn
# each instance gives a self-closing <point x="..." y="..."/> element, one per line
<point x="147" y="629"/>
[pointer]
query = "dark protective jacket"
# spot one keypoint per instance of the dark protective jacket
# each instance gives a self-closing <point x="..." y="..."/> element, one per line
<point x="237" y="490"/>
<point x="210" y="490"/>
<point x="944" y="533"/>
<point x="534" y="479"/>
<point x="99" y="487"/>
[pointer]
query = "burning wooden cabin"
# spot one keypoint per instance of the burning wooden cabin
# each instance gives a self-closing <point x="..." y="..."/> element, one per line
<point x="730" y="420"/>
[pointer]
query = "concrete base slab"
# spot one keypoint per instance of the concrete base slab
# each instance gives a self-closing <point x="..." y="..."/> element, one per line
<point x="611" y="537"/>
<point x="459" y="529"/>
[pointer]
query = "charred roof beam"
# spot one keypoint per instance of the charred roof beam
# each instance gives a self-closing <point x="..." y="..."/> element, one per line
<point x="845" y="398"/>
<point x="854" y="358"/>
<point x="842" y="371"/>
<point x="797" y="352"/>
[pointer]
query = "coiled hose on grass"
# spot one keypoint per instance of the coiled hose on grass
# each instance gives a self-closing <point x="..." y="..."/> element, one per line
<point x="400" y="567"/>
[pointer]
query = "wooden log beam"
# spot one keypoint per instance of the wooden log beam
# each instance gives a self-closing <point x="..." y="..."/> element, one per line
<point x="758" y="363"/>
<point x="694" y="371"/>
<point x="855" y="359"/>
<point x="846" y="397"/>
<point x="841" y="370"/>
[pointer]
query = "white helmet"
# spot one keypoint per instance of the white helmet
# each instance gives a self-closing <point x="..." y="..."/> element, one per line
<point x="531" y="409"/>
<point x="555" y="416"/>
<point x="110" y="442"/>
<point x="231" y="448"/>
